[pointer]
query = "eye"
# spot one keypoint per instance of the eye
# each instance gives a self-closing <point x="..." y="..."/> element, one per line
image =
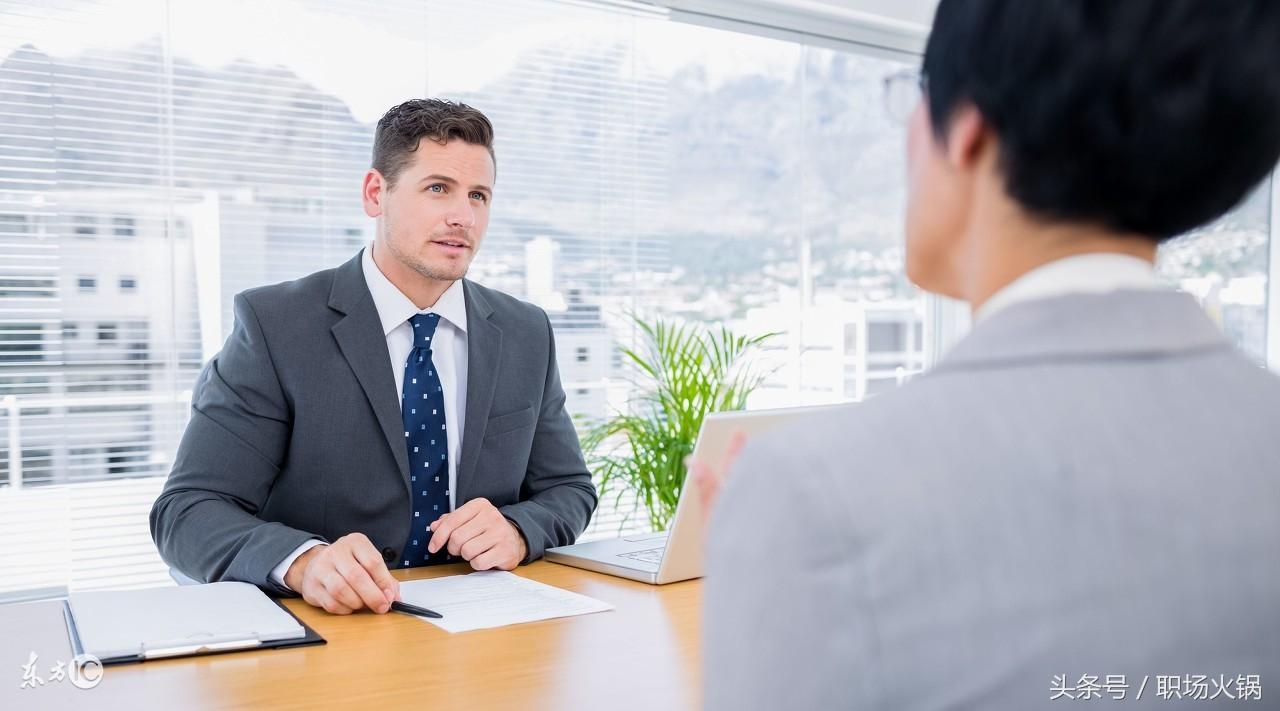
<point x="436" y="187"/>
<point x="479" y="196"/>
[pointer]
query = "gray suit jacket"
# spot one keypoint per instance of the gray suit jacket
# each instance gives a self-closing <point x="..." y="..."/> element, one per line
<point x="1086" y="485"/>
<point x="295" y="432"/>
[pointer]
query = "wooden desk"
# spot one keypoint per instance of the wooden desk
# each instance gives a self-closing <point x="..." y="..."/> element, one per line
<point x="642" y="655"/>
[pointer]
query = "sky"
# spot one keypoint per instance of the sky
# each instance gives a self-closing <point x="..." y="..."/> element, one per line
<point x="372" y="55"/>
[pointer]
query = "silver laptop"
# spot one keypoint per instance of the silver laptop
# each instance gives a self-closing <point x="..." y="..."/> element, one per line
<point x="676" y="554"/>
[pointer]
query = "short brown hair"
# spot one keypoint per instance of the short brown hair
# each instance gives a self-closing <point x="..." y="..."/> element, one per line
<point x="402" y="128"/>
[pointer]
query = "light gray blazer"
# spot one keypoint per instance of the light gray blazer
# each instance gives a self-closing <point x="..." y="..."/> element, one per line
<point x="1086" y="485"/>
<point x="296" y="433"/>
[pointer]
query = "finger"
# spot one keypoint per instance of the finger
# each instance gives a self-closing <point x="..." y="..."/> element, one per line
<point x="465" y="533"/>
<point x="325" y="601"/>
<point x="371" y="560"/>
<point x="480" y="543"/>
<point x="342" y="593"/>
<point x="441" y="533"/>
<point x="736" y="444"/>
<point x="706" y="487"/>
<point x="312" y="599"/>
<point x="487" y="560"/>
<point x="698" y="471"/>
<point x="434" y="526"/>
<point x="359" y="580"/>
<point x="501" y="556"/>
<point x="472" y="507"/>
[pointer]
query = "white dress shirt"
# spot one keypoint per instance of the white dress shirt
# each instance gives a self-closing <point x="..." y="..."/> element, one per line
<point x="1095" y="273"/>
<point x="448" y="354"/>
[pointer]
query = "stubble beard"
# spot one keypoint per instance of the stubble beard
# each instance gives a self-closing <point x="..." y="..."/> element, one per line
<point x="424" y="268"/>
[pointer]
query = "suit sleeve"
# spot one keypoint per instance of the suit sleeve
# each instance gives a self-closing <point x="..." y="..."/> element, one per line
<point x="777" y="600"/>
<point x="557" y="497"/>
<point x="205" y="520"/>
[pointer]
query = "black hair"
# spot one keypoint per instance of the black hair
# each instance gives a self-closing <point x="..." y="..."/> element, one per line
<point x="1142" y="116"/>
<point x="403" y="127"/>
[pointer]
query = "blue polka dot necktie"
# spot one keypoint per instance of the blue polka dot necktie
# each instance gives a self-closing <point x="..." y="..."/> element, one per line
<point x="422" y="410"/>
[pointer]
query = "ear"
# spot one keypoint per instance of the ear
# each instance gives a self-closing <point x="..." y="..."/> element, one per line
<point x="969" y="136"/>
<point x="372" y="193"/>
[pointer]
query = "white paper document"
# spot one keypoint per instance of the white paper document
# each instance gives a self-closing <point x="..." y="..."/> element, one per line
<point x="494" y="598"/>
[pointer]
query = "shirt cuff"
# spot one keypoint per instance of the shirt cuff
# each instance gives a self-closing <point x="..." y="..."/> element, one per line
<point x="278" y="572"/>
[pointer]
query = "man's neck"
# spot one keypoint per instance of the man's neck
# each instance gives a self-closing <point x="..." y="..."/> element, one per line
<point x="1002" y="250"/>
<point x="423" y="291"/>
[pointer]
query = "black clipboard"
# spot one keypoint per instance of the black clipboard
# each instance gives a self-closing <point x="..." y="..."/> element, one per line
<point x="310" y="637"/>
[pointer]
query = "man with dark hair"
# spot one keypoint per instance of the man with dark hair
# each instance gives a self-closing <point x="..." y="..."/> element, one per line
<point x="1082" y="500"/>
<point x="386" y="413"/>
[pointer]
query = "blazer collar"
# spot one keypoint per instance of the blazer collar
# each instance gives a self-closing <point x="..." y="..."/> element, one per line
<point x="484" y="357"/>
<point x="1117" y="324"/>
<point x="363" y="343"/>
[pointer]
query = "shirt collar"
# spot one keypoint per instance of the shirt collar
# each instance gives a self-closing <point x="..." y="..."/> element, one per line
<point x="394" y="308"/>
<point x="1081" y="274"/>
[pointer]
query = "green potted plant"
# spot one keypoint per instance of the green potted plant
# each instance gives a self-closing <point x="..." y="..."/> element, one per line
<point x="685" y="372"/>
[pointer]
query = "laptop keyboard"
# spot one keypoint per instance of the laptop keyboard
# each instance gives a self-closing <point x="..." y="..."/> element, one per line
<point x="652" y="555"/>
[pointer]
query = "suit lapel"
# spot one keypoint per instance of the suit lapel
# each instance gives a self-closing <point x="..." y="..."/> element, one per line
<point x="484" y="350"/>
<point x="360" y="338"/>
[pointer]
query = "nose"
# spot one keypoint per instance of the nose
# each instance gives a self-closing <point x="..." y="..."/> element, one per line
<point x="462" y="216"/>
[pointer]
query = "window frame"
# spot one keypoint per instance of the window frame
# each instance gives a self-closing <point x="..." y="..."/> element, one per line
<point x="1273" y="277"/>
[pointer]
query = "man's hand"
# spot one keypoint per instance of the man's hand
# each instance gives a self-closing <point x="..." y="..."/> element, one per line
<point x="708" y="481"/>
<point x="479" y="533"/>
<point x="344" y="577"/>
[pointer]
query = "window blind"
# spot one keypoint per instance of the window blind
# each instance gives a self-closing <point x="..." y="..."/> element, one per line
<point x="145" y="179"/>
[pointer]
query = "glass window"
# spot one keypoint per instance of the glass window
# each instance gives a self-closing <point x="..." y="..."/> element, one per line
<point x="21" y="342"/>
<point x="645" y="166"/>
<point x="85" y="226"/>
<point x="785" y="199"/>
<point x="122" y="226"/>
<point x="1225" y="265"/>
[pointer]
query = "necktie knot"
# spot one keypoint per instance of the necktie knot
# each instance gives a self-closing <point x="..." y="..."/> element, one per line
<point x="424" y="329"/>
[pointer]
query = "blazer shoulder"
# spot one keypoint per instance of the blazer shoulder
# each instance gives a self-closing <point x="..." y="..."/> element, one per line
<point x="892" y="429"/>
<point x="510" y="309"/>
<point x="291" y="298"/>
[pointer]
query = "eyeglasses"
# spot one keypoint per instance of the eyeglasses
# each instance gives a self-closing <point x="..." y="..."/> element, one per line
<point x="902" y="91"/>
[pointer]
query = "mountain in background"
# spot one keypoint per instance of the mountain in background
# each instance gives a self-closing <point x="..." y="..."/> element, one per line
<point x="716" y="181"/>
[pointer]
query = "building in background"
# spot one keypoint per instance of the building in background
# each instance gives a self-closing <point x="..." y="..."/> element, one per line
<point x="835" y="350"/>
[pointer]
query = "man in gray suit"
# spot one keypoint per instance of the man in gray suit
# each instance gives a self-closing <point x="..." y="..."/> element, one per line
<point x="1082" y="500"/>
<point x="384" y="413"/>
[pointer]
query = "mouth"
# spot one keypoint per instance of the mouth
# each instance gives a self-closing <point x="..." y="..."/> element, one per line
<point x="451" y="244"/>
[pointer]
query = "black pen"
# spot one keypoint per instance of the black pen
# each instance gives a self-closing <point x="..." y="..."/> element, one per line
<point x="415" y="610"/>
